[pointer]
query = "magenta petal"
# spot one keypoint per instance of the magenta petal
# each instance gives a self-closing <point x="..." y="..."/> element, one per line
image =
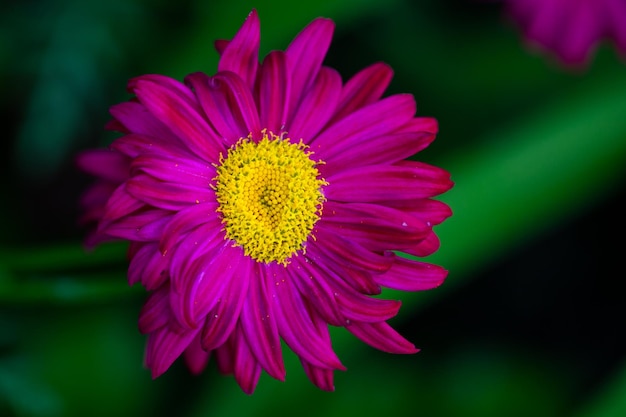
<point x="274" y="89"/>
<point x="222" y="319"/>
<point x="171" y="169"/>
<point x="376" y="227"/>
<point x="321" y="377"/>
<point x="410" y="275"/>
<point x="336" y="249"/>
<point x="228" y="105"/>
<point x="258" y="324"/>
<point x="164" y="346"/>
<point x="431" y="211"/>
<point x="305" y="55"/>
<point x="427" y="246"/>
<point x="364" y="88"/>
<point x="316" y="106"/>
<point x="120" y="204"/>
<point x="383" y="117"/>
<point x="179" y="111"/>
<point x="246" y="370"/>
<point x="155" y="312"/>
<point x="133" y="145"/>
<point x="381" y="183"/>
<point x="167" y="195"/>
<point x="295" y="324"/>
<point x="312" y="284"/>
<point x="144" y="226"/>
<point x="195" y="357"/>
<point x="200" y="288"/>
<point x="382" y="337"/>
<point x="136" y="119"/>
<point x="104" y="164"/>
<point x="241" y="54"/>
<point x="188" y="219"/>
<point x="148" y="266"/>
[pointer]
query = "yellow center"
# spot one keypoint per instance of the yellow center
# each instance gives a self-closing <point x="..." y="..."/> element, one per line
<point x="269" y="195"/>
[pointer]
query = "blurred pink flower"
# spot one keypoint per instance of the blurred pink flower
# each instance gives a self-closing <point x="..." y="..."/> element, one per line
<point x="266" y="202"/>
<point x="571" y="29"/>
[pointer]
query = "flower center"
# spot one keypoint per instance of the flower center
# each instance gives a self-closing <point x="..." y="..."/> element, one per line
<point x="269" y="195"/>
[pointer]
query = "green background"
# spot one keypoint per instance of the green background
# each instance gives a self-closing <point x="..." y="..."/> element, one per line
<point x="529" y="321"/>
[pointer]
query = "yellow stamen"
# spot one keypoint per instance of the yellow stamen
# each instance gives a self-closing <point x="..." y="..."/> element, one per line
<point x="269" y="195"/>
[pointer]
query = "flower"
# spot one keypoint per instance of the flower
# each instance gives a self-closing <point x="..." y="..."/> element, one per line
<point x="266" y="202"/>
<point x="571" y="28"/>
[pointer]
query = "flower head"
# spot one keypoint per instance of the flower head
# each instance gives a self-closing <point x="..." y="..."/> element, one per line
<point x="571" y="28"/>
<point x="266" y="202"/>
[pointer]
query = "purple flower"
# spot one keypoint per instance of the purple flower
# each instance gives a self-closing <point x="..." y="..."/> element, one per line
<point x="267" y="202"/>
<point x="571" y="28"/>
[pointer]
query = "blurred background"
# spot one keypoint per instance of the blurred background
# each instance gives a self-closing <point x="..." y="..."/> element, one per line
<point x="529" y="320"/>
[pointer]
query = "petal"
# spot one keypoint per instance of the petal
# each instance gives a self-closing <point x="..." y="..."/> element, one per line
<point x="258" y="324"/>
<point x="136" y="119"/>
<point x="134" y="145"/>
<point x="295" y="323"/>
<point x="410" y="275"/>
<point x="195" y="357"/>
<point x="188" y="219"/>
<point x="173" y="104"/>
<point x="144" y="226"/>
<point x="376" y="227"/>
<point x="120" y="204"/>
<point x="366" y="87"/>
<point x="247" y="369"/>
<point x="175" y="170"/>
<point x="382" y="337"/>
<point x="105" y="164"/>
<point x="380" y="183"/>
<point x="167" y="195"/>
<point x="241" y="54"/>
<point x="149" y="267"/>
<point x="221" y="321"/>
<point x="427" y="246"/>
<point x="164" y="346"/>
<point x="228" y="105"/>
<point x="316" y="107"/>
<point x="305" y="55"/>
<point x="155" y="312"/>
<point x="380" y="118"/>
<point x="333" y="248"/>
<point x="431" y="211"/>
<point x="385" y="150"/>
<point x="274" y="90"/>
<point x="201" y="285"/>
<point x="321" y="377"/>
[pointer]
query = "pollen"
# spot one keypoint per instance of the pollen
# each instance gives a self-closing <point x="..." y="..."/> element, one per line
<point x="270" y="196"/>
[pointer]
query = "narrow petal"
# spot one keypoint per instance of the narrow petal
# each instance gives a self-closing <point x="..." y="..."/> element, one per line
<point x="121" y="203"/>
<point x="247" y="369"/>
<point x="382" y="337"/>
<point x="133" y="145"/>
<point x="186" y="220"/>
<point x="431" y="211"/>
<point x="274" y="89"/>
<point x="258" y="324"/>
<point x="169" y="169"/>
<point x="241" y="54"/>
<point x="380" y="183"/>
<point x="379" y="118"/>
<point x="321" y="377"/>
<point x="105" y="164"/>
<point x="155" y="312"/>
<point x="144" y="226"/>
<point x="164" y="346"/>
<point x="167" y="195"/>
<point x="228" y="105"/>
<point x="376" y="227"/>
<point x="410" y="275"/>
<point x="147" y="265"/>
<point x="295" y="324"/>
<point x="179" y="111"/>
<point x="136" y="119"/>
<point x="316" y="106"/>
<point x="222" y="319"/>
<point x="345" y="252"/>
<point x="305" y="55"/>
<point x="364" y="88"/>
<point x="429" y="245"/>
<point x="195" y="357"/>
